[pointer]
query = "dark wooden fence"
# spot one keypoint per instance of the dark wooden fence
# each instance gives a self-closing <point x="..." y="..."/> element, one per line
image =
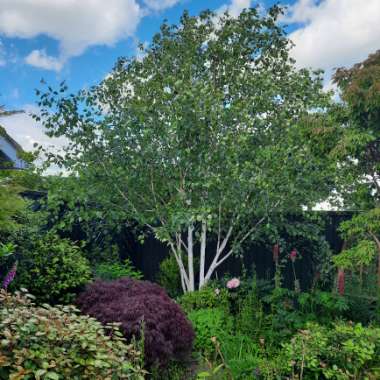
<point x="147" y="256"/>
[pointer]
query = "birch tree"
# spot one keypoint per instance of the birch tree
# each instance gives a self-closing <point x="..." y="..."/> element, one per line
<point x="202" y="139"/>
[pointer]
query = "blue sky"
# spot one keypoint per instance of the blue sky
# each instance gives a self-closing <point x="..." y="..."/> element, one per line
<point x="80" y="40"/>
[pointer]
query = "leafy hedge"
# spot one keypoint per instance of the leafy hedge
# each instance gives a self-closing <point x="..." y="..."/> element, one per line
<point x="57" y="343"/>
<point x="52" y="269"/>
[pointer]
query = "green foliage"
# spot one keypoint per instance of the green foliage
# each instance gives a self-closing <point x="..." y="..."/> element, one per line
<point x="206" y="297"/>
<point x="250" y="318"/>
<point x="57" y="343"/>
<point x="346" y="351"/>
<point x="174" y="371"/>
<point x="53" y="269"/>
<point x="169" y="277"/>
<point x="214" y="372"/>
<point x="241" y="355"/>
<point x="357" y="147"/>
<point x="290" y="311"/>
<point x="6" y="250"/>
<point x="220" y="161"/>
<point x="113" y="271"/>
<point x="354" y="258"/>
<point x="362" y="296"/>
<point x="323" y="306"/>
<point x="12" y="207"/>
<point x="362" y="232"/>
<point x="209" y="324"/>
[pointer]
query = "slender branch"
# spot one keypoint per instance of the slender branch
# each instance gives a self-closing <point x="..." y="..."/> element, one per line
<point x="184" y="277"/>
<point x="240" y="241"/>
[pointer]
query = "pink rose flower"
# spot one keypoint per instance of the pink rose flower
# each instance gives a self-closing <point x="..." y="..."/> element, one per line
<point x="233" y="283"/>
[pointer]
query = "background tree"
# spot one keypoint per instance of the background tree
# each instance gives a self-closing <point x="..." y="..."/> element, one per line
<point x="209" y="134"/>
<point x="358" y="148"/>
<point x="358" y="152"/>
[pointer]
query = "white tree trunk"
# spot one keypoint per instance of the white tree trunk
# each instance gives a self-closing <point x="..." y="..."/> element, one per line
<point x="219" y="250"/>
<point x="190" y="258"/>
<point x="176" y="250"/>
<point x="203" y="255"/>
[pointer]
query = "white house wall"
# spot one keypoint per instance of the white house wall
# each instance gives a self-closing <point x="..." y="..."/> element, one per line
<point x="10" y="151"/>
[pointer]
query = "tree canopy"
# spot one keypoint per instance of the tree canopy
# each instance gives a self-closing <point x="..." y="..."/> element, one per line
<point x="210" y="133"/>
<point x="359" y="142"/>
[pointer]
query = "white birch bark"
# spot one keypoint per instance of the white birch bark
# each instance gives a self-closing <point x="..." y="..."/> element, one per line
<point x="190" y="258"/>
<point x="202" y="255"/>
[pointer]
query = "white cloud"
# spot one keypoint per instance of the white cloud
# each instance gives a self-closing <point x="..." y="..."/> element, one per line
<point x="158" y="5"/>
<point x="39" y="58"/>
<point x="76" y="24"/>
<point x="235" y="7"/>
<point x="334" y="33"/>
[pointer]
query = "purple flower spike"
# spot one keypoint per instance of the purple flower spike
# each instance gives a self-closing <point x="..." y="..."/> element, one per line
<point x="10" y="276"/>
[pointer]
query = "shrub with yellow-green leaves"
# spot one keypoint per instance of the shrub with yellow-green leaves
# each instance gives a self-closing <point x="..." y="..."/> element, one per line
<point x="45" y="342"/>
<point x="53" y="269"/>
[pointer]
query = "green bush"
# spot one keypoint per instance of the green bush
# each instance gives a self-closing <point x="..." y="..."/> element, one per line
<point x="52" y="269"/>
<point x="169" y="278"/>
<point x="114" y="271"/>
<point x="290" y="311"/>
<point x="346" y="351"/>
<point x="57" y="343"/>
<point x="208" y="324"/>
<point x="241" y="355"/>
<point x="207" y="297"/>
<point x="250" y="319"/>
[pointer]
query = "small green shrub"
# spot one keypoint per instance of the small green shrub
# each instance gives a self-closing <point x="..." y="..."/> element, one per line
<point x="208" y="324"/>
<point x="207" y="297"/>
<point x="241" y="355"/>
<point x="346" y="351"/>
<point x="57" y="343"/>
<point x="174" y="371"/>
<point x="52" y="269"/>
<point x="168" y="276"/>
<point x="289" y="311"/>
<point x="250" y="318"/>
<point x="323" y="306"/>
<point x="114" y="271"/>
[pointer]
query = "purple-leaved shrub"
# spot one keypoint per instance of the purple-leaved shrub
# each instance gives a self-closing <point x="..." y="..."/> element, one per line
<point x="168" y="335"/>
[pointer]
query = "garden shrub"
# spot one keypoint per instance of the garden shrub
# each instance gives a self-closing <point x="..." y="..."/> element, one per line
<point x="168" y="276"/>
<point x="173" y="371"/>
<point x="116" y="270"/>
<point x="346" y="351"/>
<point x="206" y="297"/>
<point x="52" y="269"/>
<point x="250" y="319"/>
<point x="136" y="304"/>
<point x="209" y="323"/>
<point x="45" y="342"/>
<point x="289" y="311"/>
<point x="241" y="355"/>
